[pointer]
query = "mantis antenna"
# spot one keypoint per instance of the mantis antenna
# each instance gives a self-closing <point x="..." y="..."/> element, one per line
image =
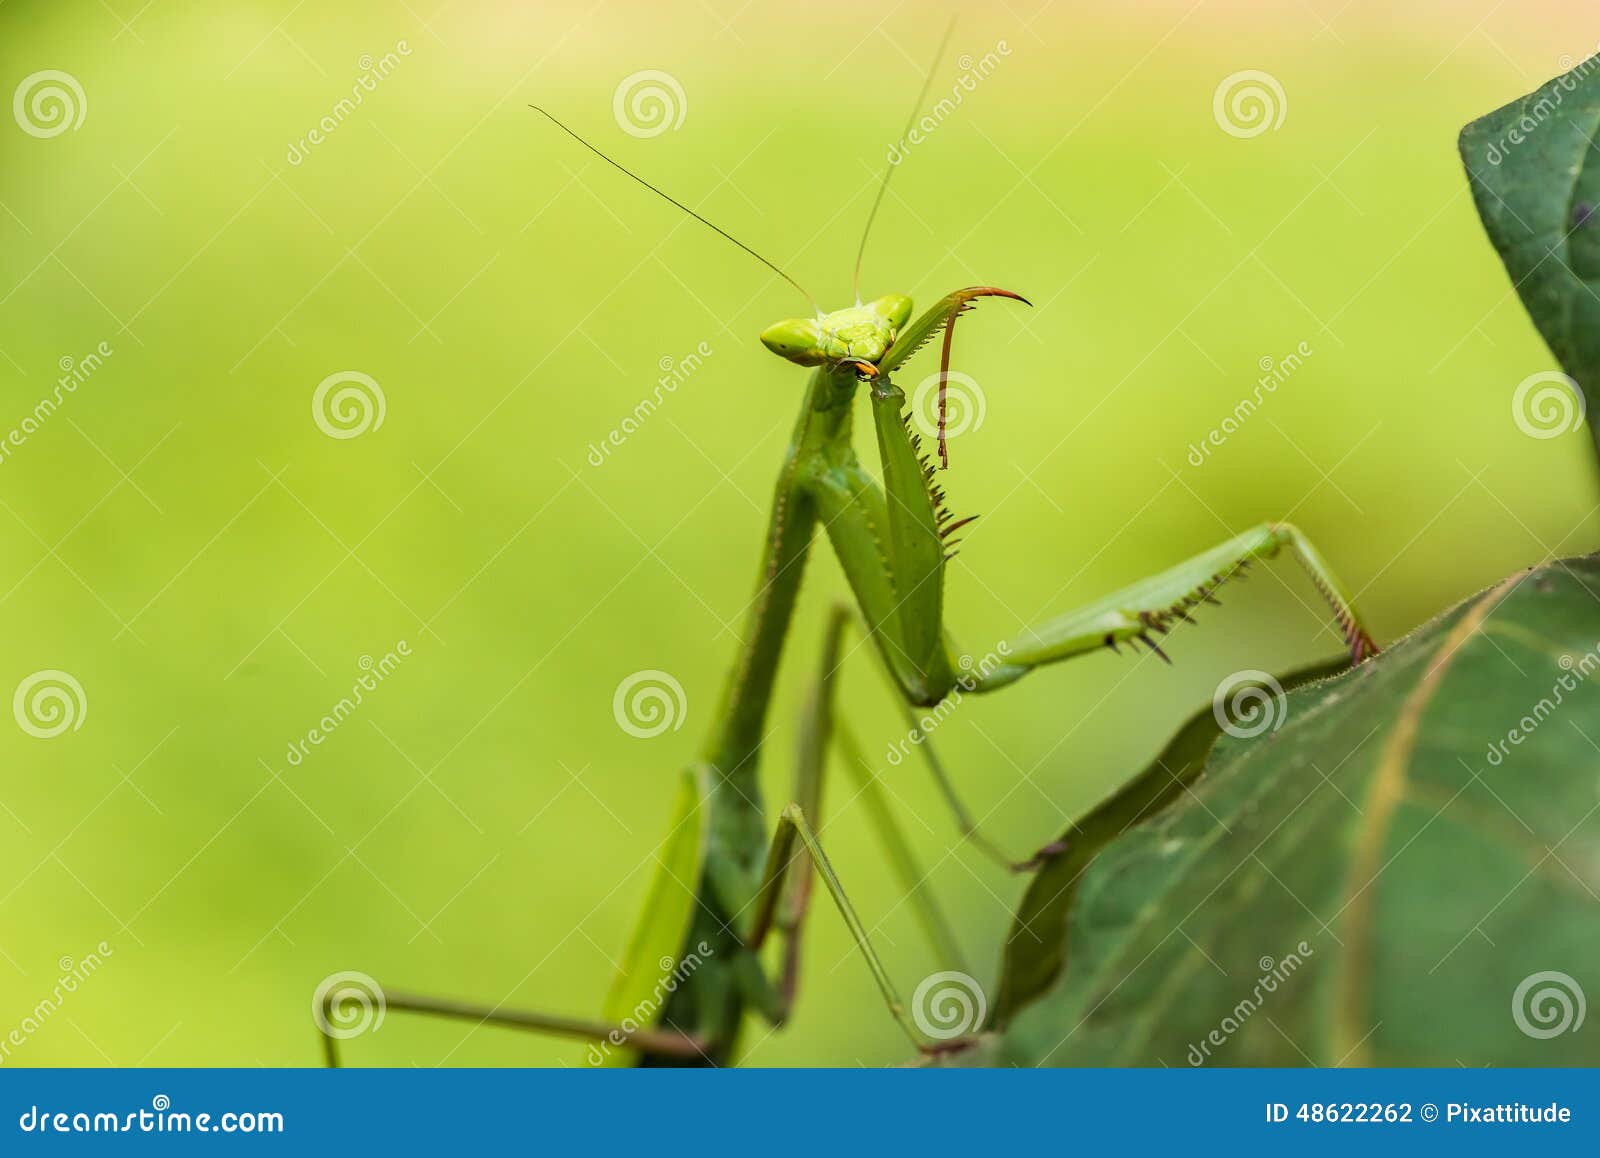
<point x="668" y="197"/>
<point x="927" y="83"/>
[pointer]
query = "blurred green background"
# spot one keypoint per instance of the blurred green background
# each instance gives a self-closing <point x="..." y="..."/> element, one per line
<point x="185" y="541"/>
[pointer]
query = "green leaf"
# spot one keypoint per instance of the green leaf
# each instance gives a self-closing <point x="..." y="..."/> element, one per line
<point x="1036" y="950"/>
<point x="1537" y="186"/>
<point x="1405" y="872"/>
<point x="658" y="936"/>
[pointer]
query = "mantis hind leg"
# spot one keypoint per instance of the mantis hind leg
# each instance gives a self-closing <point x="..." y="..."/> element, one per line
<point x="655" y="1041"/>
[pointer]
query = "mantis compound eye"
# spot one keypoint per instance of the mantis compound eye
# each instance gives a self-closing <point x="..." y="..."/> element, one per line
<point x="895" y="308"/>
<point x="797" y="339"/>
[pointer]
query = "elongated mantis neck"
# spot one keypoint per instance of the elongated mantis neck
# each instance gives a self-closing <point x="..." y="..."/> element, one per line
<point x="821" y="436"/>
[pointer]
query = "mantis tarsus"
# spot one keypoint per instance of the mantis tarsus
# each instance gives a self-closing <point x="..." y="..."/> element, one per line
<point x="724" y="884"/>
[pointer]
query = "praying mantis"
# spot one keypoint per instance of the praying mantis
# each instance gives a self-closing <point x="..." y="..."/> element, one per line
<point x="696" y="966"/>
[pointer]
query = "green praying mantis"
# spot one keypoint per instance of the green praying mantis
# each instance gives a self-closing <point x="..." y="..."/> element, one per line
<point x="696" y="965"/>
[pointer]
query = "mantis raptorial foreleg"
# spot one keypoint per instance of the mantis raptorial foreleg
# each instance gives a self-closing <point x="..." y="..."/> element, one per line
<point x="893" y="544"/>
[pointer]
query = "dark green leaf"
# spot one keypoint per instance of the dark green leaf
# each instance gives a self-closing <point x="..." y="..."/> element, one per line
<point x="1534" y="177"/>
<point x="1406" y="872"/>
<point x="1036" y="949"/>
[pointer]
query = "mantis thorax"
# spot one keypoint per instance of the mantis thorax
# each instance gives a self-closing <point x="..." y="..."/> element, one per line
<point x="860" y="333"/>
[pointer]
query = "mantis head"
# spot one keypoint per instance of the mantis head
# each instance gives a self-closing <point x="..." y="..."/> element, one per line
<point x="858" y="334"/>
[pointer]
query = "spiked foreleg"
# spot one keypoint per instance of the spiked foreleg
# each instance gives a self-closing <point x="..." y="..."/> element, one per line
<point x="916" y="547"/>
<point x="941" y="317"/>
<point x="892" y="555"/>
